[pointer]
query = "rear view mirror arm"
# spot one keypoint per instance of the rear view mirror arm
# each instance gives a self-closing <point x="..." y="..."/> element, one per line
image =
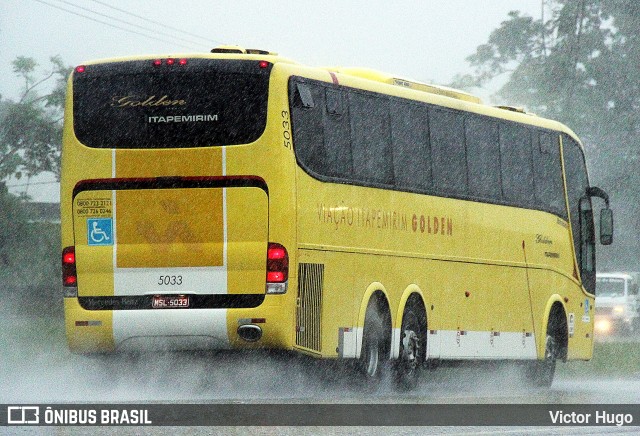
<point x="594" y="191"/>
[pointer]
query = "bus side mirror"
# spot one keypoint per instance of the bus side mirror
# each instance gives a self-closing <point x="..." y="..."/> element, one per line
<point x="606" y="215"/>
<point x="606" y="226"/>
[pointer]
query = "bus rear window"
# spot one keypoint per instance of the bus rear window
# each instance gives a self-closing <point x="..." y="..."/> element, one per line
<point x="140" y="105"/>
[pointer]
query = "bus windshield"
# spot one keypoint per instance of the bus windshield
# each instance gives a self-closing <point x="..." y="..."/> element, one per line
<point x="180" y="103"/>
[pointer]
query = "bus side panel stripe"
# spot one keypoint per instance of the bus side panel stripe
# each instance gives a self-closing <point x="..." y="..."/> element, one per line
<point x="455" y="344"/>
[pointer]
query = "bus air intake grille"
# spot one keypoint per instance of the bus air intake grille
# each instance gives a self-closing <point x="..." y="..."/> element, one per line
<point x="311" y="279"/>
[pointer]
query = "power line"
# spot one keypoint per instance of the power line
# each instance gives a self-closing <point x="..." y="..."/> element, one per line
<point x="109" y="24"/>
<point x="155" y="22"/>
<point x="125" y="22"/>
<point x="19" y="185"/>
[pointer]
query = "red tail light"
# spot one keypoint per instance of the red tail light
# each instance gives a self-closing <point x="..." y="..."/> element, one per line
<point x="277" y="263"/>
<point x="169" y="62"/>
<point x="69" y="275"/>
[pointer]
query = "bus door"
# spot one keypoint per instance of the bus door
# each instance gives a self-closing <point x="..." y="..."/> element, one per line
<point x="581" y="212"/>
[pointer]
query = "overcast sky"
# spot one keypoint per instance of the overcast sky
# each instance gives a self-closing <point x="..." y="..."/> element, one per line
<point x="425" y="40"/>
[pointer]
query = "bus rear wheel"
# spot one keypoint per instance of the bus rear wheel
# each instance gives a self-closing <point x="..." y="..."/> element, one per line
<point x="374" y="354"/>
<point x="413" y="346"/>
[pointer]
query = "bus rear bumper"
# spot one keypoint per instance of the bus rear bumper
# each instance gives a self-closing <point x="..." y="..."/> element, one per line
<point x="105" y="331"/>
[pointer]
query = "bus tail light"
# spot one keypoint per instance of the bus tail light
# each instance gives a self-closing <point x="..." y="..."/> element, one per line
<point x="277" y="269"/>
<point x="169" y="62"/>
<point x="69" y="275"/>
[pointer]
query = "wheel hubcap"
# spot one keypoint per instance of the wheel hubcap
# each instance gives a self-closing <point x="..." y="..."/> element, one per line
<point x="410" y="349"/>
<point x="373" y="352"/>
<point x="551" y="349"/>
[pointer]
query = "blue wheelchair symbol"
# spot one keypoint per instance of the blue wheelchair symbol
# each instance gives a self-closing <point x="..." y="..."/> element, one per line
<point x="100" y="231"/>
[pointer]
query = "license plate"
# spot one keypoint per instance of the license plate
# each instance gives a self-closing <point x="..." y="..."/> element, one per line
<point x="170" y="301"/>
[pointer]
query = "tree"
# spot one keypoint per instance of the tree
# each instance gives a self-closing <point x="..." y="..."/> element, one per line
<point x="29" y="259"/>
<point x="12" y="223"/>
<point x="31" y="126"/>
<point x="579" y="66"/>
<point x="30" y="142"/>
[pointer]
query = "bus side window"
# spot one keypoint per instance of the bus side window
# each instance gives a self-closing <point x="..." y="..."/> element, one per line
<point x="587" y="237"/>
<point x="370" y="138"/>
<point x="516" y="164"/>
<point x="337" y="134"/>
<point x="410" y="146"/>
<point x="483" y="157"/>
<point x="304" y="98"/>
<point x="308" y="131"/>
<point x="333" y="101"/>
<point x="448" y="151"/>
<point x="548" y="172"/>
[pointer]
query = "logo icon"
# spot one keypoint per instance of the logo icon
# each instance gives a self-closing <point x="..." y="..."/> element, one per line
<point x="23" y="415"/>
<point x="100" y="231"/>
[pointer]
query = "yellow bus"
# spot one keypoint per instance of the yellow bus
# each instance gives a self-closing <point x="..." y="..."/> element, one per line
<point x="237" y="199"/>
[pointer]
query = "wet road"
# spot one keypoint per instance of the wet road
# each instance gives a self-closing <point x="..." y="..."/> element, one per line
<point x="57" y="376"/>
<point x="36" y="367"/>
<point x="47" y="372"/>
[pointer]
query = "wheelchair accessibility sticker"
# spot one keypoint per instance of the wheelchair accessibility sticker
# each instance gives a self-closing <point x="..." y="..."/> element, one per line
<point x="100" y="231"/>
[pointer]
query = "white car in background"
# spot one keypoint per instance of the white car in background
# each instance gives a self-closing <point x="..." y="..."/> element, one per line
<point x="617" y="303"/>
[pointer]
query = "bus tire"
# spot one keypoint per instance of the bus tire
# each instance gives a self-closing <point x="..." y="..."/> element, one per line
<point x="375" y="351"/>
<point x="541" y="372"/>
<point x="413" y="345"/>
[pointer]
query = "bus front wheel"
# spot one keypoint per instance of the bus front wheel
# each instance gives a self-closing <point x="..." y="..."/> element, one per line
<point x="541" y="372"/>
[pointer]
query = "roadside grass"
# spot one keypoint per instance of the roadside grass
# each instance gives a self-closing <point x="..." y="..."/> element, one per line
<point x="611" y="358"/>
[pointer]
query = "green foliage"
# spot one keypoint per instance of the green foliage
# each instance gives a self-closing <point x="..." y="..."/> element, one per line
<point x="13" y="227"/>
<point x="30" y="143"/>
<point x="579" y="66"/>
<point x="610" y="359"/>
<point x="29" y="258"/>
<point x="31" y="127"/>
<point x="516" y="42"/>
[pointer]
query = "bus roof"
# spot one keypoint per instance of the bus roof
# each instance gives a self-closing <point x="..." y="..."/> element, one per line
<point x="467" y="101"/>
<point x="379" y="76"/>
